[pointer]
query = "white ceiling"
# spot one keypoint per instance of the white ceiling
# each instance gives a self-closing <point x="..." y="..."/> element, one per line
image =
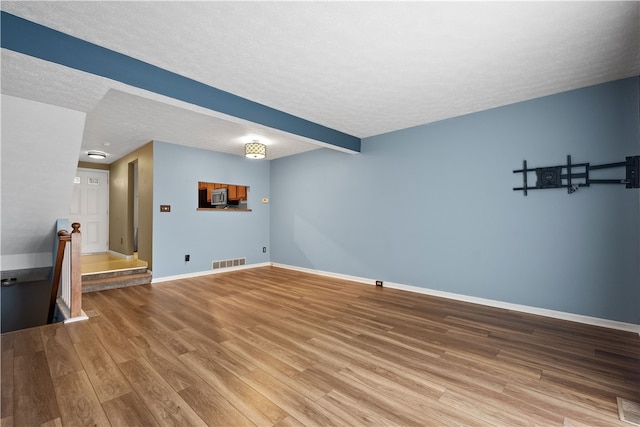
<point x="363" y="68"/>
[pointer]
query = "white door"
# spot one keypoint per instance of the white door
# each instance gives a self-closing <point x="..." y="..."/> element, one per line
<point x="90" y="207"/>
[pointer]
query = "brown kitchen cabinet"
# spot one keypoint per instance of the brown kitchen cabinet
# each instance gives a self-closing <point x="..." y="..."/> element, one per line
<point x="232" y="191"/>
<point x="236" y="196"/>
<point x="242" y="192"/>
<point x="237" y="192"/>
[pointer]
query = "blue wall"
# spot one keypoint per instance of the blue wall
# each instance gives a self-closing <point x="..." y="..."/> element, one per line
<point x="433" y="206"/>
<point x="205" y="235"/>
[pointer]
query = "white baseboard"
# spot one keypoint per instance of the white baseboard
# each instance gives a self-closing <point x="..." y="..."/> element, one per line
<point x="80" y="318"/>
<point x="208" y="272"/>
<point x="64" y="310"/>
<point x="595" y="321"/>
<point x="119" y="255"/>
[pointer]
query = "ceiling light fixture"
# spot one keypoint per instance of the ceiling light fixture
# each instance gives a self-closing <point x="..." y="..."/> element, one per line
<point x="255" y="150"/>
<point x="94" y="154"/>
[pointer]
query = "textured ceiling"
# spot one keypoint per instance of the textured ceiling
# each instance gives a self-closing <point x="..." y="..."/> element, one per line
<point x="363" y="68"/>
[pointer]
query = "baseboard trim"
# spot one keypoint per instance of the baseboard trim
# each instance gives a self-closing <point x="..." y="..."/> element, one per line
<point x="80" y="318"/>
<point x="119" y="255"/>
<point x="594" y="321"/>
<point x="64" y="310"/>
<point x="208" y="272"/>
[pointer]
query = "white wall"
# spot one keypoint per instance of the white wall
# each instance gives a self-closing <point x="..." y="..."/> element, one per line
<point x="40" y="146"/>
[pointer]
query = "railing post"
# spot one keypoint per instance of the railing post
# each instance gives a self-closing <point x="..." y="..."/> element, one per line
<point x="67" y="274"/>
<point x="76" y="271"/>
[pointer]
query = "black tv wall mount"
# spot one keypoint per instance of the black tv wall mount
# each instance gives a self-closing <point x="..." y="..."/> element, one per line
<point x="575" y="175"/>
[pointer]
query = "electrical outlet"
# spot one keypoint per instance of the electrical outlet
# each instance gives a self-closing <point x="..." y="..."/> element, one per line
<point x="264" y="249"/>
<point x="187" y="258"/>
<point x="378" y="282"/>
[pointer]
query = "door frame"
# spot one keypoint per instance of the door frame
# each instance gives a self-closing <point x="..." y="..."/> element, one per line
<point x="92" y="170"/>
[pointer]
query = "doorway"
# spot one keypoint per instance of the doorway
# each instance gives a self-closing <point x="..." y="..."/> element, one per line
<point x="134" y="205"/>
<point x="90" y="207"/>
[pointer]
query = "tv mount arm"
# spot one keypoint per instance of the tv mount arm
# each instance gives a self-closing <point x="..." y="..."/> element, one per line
<point x="553" y="176"/>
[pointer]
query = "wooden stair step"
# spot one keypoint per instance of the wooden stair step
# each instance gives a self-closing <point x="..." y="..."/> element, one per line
<point x="116" y="281"/>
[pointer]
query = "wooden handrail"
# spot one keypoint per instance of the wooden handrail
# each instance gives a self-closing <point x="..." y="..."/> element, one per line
<point x="74" y="238"/>
<point x="63" y="237"/>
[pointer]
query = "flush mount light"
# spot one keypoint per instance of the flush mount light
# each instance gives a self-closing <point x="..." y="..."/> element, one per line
<point x="255" y="150"/>
<point x="94" y="154"/>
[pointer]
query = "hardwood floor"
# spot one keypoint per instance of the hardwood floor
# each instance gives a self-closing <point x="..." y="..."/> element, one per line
<point x="270" y="346"/>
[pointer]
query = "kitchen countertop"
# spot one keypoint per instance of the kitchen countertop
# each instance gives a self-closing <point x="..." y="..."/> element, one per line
<point x="228" y="208"/>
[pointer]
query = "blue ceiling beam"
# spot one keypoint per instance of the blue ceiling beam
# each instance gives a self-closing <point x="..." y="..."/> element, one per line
<point x="26" y="37"/>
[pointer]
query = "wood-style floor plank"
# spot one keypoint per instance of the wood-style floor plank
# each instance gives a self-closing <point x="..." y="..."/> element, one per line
<point x="275" y="347"/>
<point x="129" y="410"/>
<point x="78" y="403"/>
<point x="103" y="372"/>
<point x="212" y="407"/>
<point x="6" y="385"/>
<point x="34" y="398"/>
<point x="256" y="407"/>
<point x="61" y="355"/>
<point x="294" y="403"/>
<point x="165" y="363"/>
<point x="164" y="403"/>
<point x="113" y="341"/>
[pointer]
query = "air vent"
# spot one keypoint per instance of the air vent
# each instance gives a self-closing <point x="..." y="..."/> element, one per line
<point x="629" y="411"/>
<point x="226" y="263"/>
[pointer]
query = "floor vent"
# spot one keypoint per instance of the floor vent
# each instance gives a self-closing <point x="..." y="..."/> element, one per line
<point x="228" y="263"/>
<point x="629" y="411"/>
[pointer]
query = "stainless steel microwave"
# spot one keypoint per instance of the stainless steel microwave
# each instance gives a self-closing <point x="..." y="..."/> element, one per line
<point x="219" y="197"/>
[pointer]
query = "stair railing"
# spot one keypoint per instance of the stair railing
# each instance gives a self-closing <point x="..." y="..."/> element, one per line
<point x="67" y="275"/>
